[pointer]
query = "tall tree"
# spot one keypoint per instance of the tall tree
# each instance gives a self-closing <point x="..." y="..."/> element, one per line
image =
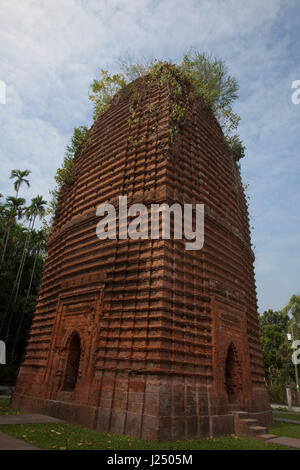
<point x="15" y="208"/>
<point x="38" y="245"/>
<point x="293" y="308"/>
<point x="20" y="177"/>
<point x="273" y="326"/>
<point x="276" y="348"/>
<point x="15" y="317"/>
<point x="35" y="210"/>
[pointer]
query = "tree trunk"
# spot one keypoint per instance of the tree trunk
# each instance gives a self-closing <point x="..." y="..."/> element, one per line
<point x="21" y="267"/>
<point x="33" y="270"/>
<point x="6" y="238"/>
<point x="23" y="313"/>
<point x="16" y="285"/>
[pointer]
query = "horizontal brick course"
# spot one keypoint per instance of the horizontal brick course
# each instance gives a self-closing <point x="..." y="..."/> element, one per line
<point x="156" y="322"/>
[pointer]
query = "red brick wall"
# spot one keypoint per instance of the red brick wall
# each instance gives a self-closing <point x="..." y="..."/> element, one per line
<point x="155" y="321"/>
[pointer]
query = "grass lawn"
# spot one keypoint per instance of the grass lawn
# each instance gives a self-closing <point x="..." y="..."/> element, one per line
<point x="293" y="416"/>
<point x="62" y="436"/>
<point x="285" y="429"/>
<point x="5" y="408"/>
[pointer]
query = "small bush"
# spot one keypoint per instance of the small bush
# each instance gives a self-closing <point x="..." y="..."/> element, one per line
<point x="277" y="394"/>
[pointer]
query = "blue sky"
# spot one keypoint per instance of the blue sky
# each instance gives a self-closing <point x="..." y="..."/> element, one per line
<point x="51" y="50"/>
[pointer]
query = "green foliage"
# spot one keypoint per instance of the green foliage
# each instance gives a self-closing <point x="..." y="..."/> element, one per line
<point x="277" y="393"/>
<point x="104" y="89"/>
<point x="15" y="206"/>
<point x="36" y="209"/>
<point x="126" y="91"/>
<point x="236" y="147"/>
<point x="65" y="436"/>
<point x="66" y="173"/>
<point x="207" y="77"/>
<point x="210" y="79"/>
<point x="285" y="429"/>
<point x="5" y="408"/>
<point x="276" y="349"/>
<point x="53" y="206"/>
<point x="20" y="177"/>
<point x="292" y="416"/>
<point x="22" y="251"/>
<point x="133" y="70"/>
<point x="273" y="318"/>
<point x="293" y="308"/>
<point x="79" y="139"/>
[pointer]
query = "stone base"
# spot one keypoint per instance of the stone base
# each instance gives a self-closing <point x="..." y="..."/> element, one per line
<point x="265" y="418"/>
<point x="133" y="424"/>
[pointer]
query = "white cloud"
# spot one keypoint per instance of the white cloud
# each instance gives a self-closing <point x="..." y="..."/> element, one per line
<point x="52" y="49"/>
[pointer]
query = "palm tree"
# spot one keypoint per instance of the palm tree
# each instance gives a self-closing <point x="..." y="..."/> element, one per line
<point x="38" y="242"/>
<point x="15" y="208"/>
<point x="20" y="178"/>
<point x="34" y="211"/>
<point x="18" y="238"/>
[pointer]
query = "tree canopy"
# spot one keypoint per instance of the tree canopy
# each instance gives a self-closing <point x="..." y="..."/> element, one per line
<point x="23" y="252"/>
<point x="276" y="348"/>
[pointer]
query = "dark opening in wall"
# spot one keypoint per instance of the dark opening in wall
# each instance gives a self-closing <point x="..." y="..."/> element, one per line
<point x="74" y="351"/>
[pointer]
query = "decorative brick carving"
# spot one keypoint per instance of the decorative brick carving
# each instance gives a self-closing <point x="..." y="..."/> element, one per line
<point x="158" y="326"/>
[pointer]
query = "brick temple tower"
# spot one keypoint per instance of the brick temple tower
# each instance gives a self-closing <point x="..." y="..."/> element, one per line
<point x="143" y="337"/>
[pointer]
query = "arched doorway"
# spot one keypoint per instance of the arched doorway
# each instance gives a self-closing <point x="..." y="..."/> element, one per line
<point x="232" y="374"/>
<point x="73" y="359"/>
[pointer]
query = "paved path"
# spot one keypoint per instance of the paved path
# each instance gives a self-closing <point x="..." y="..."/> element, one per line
<point x="284" y="420"/>
<point x="5" y="390"/>
<point x="11" y="443"/>
<point x="295" y="408"/>
<point x="286" y="441"/>
<point x="27" y="419"/>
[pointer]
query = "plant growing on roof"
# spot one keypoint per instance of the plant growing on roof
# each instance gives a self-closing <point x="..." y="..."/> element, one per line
<point x="103" y="90"/>
<point x="208" y="77"/>
<point x="66" y="173"/>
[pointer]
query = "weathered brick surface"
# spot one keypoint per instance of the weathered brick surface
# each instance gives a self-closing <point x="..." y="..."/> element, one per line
<point x="155" y="321"/>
